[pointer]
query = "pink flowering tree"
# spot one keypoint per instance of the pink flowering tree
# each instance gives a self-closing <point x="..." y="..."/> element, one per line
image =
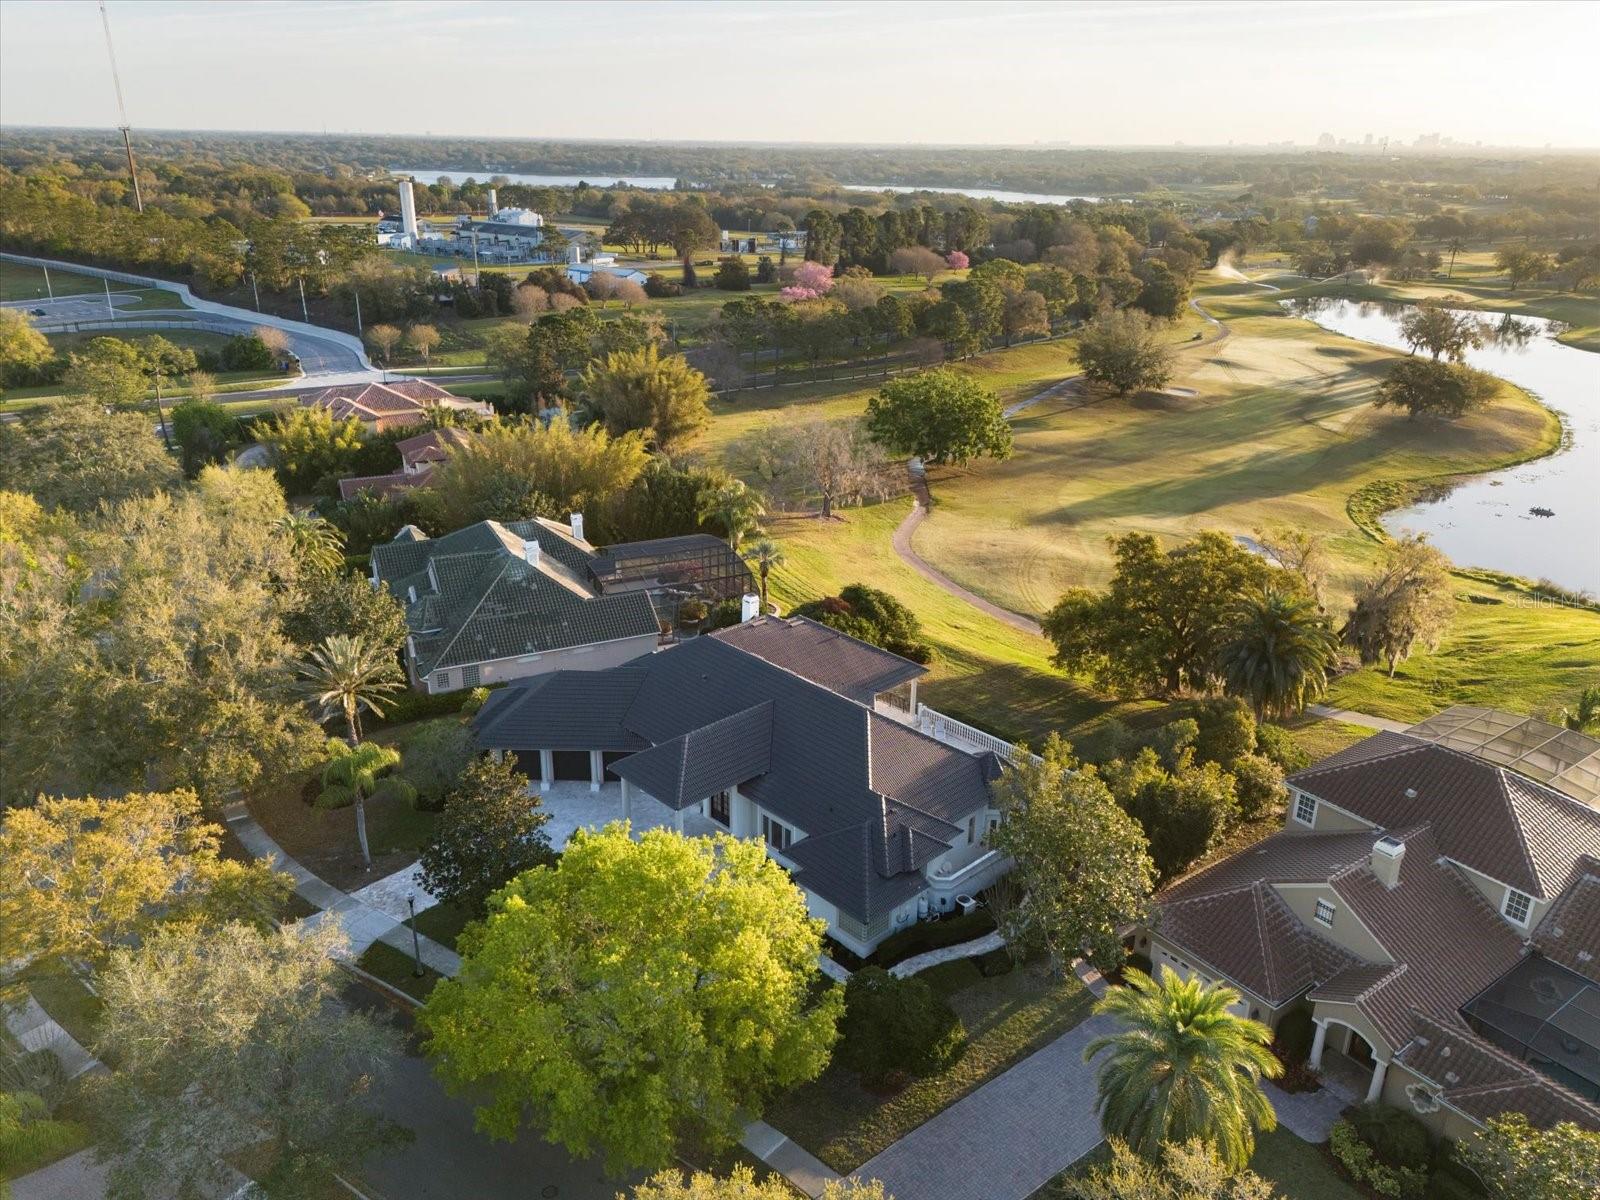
<point x="811" y="280"/>
<point x="957" y="261"/>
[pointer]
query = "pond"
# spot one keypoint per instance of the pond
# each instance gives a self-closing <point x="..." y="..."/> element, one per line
<point x="977" y="193"/>
<point x="1538" y="520"/>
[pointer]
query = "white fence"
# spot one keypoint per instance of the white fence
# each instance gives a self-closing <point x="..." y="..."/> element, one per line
<point x="958" y="733"/>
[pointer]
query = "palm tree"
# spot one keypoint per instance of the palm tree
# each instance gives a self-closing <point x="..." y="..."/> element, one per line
<point x="317" y="543"/>
<point x="1585" y="716"/>
<point x="1184" y="1067"/>
<point x="1456" y="246"/>
<point x="343" y="676"/>
<point x="737" y="508"/>
<point x="765" y="555"/>
<point x="1279" y="651"/>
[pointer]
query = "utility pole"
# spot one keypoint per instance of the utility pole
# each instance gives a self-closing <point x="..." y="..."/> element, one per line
<point x="127" y="138"/>
<point x="110" y="312"/>
<point x="360" y="333"/>
<point x="255" y="291"/>
<point x="48" y="291"/>
<point x="304" y="311"/>
<point x="477" y="276"/>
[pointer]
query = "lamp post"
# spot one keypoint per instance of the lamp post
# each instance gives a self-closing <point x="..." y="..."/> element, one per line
<point x="416" y="942"/>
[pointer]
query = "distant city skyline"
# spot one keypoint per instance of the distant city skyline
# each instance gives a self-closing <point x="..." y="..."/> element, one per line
<point x="1146" y="72"/>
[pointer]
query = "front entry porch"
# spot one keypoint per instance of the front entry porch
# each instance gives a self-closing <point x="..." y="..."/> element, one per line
<point x="574" y="805"/>
<point x="1350" y="1066"/>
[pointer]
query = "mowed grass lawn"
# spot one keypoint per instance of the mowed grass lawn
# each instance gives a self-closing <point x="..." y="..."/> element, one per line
<point x="21" y="282"/>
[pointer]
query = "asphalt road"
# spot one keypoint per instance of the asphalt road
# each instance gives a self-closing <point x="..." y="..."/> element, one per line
<point x="88" y="307"/>
<point x="449" y="1159"/>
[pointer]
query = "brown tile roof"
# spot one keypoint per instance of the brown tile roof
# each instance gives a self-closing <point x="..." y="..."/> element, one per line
<point x="383" y="485"/>
<point x="376" y="401"/>
<point x="1436" y="925"/>
<point x="1570" y="931"/>
<point x="433" y="446"/>
<point x="1484" y="1081"/>
<point x="1487" y="817"/>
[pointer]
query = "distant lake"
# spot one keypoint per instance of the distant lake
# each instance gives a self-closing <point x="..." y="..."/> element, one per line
<point x="662" y="183"/>
<point x="977" y="193"/>
<point x="1487" y="520"/>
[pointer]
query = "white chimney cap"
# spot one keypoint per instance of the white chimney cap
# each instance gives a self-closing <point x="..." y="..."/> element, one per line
<point x="531" y="550"/>
<point x="749" y="607"/>
<point x="577" y="526"/>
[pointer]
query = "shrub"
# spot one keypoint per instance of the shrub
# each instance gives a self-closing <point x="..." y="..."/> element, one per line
<point x="733" y="276"/>
<point x="692" y="612"/>
<point x="476" y="699"/>
<point x="874" y="617"/>
<point x="29" y="1139"/>
<point x="1258" y="784"/>
<point x="246" y="352"/>
<point x="397" y="790"/>
<point x="415" y="706"/>
<point x="1356" y="1157"/>
<point x="726" y="614"/>
<point x="933" y="935"/>
<point x="1279" y="745"/>
<point x="1227" y="732"/>
<point x="1396" y="1137"/>
<point x="1139" y="962"/>
<point x="996" y="962"/>
<point x="892" y="1025"/>
<point x="948" y="978"/>
<point x="1296" y="1032"/>
<point x="659" y="287"/>
<point x="434" y="759"/>
<point x="336" y="795"/>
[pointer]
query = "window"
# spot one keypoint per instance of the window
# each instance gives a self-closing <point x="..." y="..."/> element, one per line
<point x="441" y="681"/>
<point x="1305" y="809"/>
<point x="471" y="675"/>
<point x="1324" y="913"/>
<point x="719" y="809"/>
<point x="775" y="833"/>
<point x="972" y="830"/>
<point x="1517" y="906"/>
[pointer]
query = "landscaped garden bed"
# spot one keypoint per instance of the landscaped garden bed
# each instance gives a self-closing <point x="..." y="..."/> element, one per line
<point x="1007" y="1017"/>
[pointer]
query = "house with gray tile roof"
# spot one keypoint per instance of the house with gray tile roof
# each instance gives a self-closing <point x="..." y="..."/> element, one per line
<point x="1438" y="914"/>
<point x="879" y="823"/>
<point x="499" y="601"/>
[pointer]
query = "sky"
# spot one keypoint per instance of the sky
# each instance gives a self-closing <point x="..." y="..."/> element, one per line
<point x="1099" y="72"/>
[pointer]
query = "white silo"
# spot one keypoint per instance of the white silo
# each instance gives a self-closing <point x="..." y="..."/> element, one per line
<point x="494" y="202"/>
<point x="408" y="208"/>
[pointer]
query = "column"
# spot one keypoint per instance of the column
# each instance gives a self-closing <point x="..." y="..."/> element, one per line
<point x="1380" y="1068"/>
<point x="597" y="770"/>
<point x="547" y="769"/>
<point x="1317" y="1044"/>
<point x="677" y="819"/>
<point x="627" y="800"/>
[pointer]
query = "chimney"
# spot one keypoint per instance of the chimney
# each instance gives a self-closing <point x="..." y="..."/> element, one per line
<point x="1387" y="853"/>
<point x="577" y="526"/>
<point x="749" y="607"/>
<point x="494" y="202"/>
<point x="531" y="551"/>
<point x="408" y="208"/>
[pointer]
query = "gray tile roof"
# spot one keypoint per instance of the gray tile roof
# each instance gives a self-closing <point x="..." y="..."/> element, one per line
<point x="825" y="656"/>
<point x="1493" y="820"/>
<point x="1570" y="931"/>
<point x="478" y="598"/>
<point x="874" y="798"/>
<point x="704" y="761"/>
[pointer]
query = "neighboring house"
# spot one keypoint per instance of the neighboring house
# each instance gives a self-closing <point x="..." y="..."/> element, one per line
<point x="494" y="602"/>
<point x="774" y="729"/>
<point x="392" y="405"/>
<point x="418" y="457"/>
<point x="1437" y="909"/>
<point x="498" y="601"/>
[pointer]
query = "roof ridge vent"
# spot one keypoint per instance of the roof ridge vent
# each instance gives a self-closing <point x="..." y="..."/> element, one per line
<point x="1411" y="793"/>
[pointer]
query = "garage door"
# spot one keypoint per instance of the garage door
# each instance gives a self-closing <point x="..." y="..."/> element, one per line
<point x="572" y="764"/>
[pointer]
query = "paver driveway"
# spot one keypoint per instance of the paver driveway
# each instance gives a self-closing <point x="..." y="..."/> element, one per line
<point x="1007" y="1139"/>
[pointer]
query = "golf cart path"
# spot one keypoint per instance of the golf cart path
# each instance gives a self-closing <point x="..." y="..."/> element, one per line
<point x="923" y="502"/>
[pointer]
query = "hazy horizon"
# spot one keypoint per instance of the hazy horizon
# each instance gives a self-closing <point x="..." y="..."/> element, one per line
<point x="1143" y="74"/>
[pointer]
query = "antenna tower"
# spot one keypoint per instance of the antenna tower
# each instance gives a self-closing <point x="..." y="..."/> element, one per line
<point x="116" y="81"/>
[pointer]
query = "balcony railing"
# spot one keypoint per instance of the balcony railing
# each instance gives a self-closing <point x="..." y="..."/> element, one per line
<point x="961" y="735"/>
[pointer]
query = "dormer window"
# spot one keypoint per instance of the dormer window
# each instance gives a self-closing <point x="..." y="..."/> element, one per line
<point x="1517" y="906"/>
<point x="1305" y="809"/>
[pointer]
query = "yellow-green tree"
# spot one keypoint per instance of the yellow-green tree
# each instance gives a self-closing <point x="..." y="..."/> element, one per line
<point x="635" y="993"/>
<point x="742" y="1185"/>
<point x="665" y="398"/>
<point x="78" y="876"/>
